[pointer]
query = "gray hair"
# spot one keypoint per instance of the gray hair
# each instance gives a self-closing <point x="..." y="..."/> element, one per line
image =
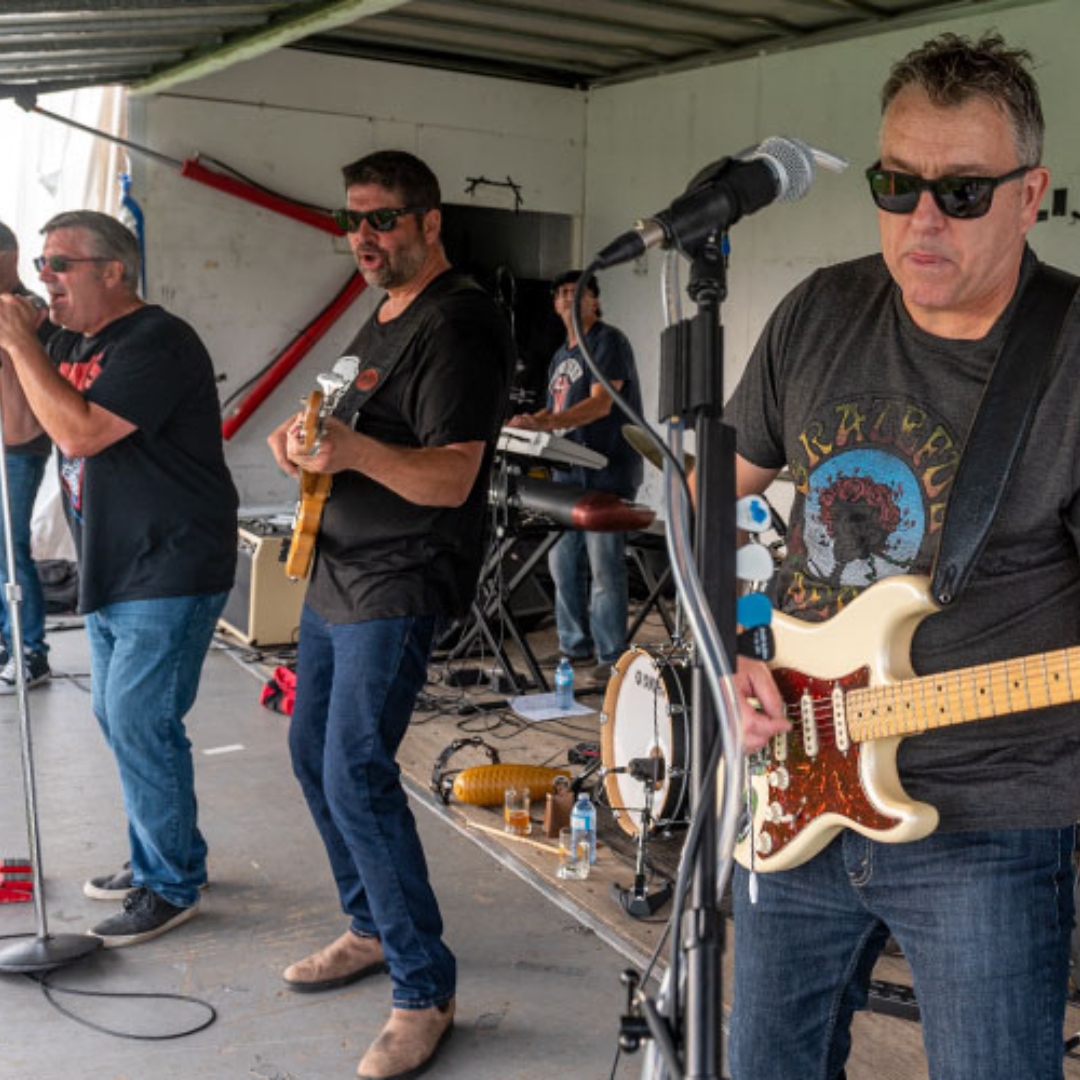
<point x="110" y="239"/>
<point x="951" y="70"/>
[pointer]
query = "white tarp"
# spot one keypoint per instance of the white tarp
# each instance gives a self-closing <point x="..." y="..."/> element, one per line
<point x="47" y="167"/>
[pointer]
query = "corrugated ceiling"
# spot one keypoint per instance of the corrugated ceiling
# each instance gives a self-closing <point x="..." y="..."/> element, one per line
<point x="48" y="45"/>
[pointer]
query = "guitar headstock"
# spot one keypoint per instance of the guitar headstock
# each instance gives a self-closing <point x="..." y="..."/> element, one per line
<point x="335" y="382"/>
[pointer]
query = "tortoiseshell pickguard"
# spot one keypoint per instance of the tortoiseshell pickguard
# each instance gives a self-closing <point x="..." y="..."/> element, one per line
<point x="827" y="783"/>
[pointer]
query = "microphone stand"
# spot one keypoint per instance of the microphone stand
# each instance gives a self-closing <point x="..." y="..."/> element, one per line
<point x="714" y="556"/>
<point x="46" y="951"/>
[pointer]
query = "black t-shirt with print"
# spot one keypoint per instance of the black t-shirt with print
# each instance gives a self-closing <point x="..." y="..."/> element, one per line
<point x="570" y="380"/>
<point x="870" y="413"/>
<point x="153" y="515"/>
<point x="379" y="555"/>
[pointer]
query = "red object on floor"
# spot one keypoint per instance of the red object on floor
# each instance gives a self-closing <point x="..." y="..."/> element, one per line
<point x="16" y="881"/>
<point x="279" y="693"/>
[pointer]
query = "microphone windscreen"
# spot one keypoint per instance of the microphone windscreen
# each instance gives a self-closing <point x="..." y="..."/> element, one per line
<point x="793" y="163"/>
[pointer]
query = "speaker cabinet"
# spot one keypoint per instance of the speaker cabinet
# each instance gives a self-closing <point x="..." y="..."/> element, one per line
<point x="264" y="605"/>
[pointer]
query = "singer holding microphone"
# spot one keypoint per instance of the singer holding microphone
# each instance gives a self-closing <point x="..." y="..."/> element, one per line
<point x="864" y="384"/>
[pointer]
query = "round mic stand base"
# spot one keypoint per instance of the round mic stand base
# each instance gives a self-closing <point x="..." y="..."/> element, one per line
<point x="44" y="954"/>
<point x="46" y="951"/>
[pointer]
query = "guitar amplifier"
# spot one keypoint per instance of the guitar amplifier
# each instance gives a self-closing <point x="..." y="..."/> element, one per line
<point x="264" y="605"/>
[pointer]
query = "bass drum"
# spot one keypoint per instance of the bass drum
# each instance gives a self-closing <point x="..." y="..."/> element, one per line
<point x="647" y="714"/>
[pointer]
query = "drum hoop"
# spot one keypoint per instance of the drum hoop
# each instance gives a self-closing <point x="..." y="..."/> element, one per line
<point x="678" y="720"/>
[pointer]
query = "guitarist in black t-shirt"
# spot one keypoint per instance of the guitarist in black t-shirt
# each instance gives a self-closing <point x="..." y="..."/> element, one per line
<point x="398" y="550"/>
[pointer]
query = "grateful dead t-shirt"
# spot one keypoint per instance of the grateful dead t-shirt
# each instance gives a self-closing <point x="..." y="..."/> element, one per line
<point x="870" y="414"/>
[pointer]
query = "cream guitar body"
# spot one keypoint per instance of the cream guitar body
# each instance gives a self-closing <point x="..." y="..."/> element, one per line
<point x="851" y="696"/>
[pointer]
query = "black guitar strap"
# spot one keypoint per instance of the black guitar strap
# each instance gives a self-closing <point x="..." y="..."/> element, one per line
<point x="996" y="440"/>
<point x="396" y="338"/>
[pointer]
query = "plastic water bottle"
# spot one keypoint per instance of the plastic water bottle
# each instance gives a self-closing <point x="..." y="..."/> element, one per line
<point x="564" y="685"/>
<point x="583" y="822"/>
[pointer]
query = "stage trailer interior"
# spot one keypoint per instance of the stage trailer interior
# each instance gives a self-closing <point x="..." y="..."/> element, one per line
<point x="586" y="163"/>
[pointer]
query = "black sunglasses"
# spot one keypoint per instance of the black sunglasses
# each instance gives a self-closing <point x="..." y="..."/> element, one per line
<point x="961" y="197"/>
<point x="60" y="264"/>
<point x="384" y="219"/>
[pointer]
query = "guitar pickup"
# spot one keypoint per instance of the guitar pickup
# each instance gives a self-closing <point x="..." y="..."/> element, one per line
<point x="843" y="743"/>
<point x="809" y="725"/>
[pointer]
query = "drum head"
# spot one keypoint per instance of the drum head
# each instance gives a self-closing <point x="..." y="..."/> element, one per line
<point x="645" y="715"/>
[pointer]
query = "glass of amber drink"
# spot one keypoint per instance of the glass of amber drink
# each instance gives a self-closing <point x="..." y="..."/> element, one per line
<point x="516" y="812"/>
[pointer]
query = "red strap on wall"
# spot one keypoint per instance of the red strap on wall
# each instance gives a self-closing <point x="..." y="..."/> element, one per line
<point x="293" y="354"/>
<point x="193" y="169"/>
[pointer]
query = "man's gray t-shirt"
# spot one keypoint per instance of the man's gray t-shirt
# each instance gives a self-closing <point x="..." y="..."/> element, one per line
<point x="870" y="414"/>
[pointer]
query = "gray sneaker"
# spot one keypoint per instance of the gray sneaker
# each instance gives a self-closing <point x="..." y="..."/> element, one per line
<point x="116" y="886"/>
<point x="111" y="886"/>
<point x="145" y="915"/>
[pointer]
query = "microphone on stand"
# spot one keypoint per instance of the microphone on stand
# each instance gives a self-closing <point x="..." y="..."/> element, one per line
<point x="776" y="170"/>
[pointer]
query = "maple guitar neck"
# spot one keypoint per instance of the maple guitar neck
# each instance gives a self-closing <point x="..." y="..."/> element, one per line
<point x="966" y="694"/>
<point x="314" y="491"/>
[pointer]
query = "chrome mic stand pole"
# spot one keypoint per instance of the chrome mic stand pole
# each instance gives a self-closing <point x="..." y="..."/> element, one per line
<point x="46" y="951"/>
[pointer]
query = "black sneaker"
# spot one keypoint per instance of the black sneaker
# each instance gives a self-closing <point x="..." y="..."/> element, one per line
<point x="111" y="886"/>
<point x="37" y="672"/>
<point x="145" y="915"/>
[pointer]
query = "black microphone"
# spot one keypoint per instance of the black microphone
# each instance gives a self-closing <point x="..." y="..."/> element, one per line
<point x="778" y="169"/>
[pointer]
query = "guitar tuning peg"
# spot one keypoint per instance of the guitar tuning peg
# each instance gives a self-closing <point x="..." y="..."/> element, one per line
<point x="752" y="514"/>
<point x="754" y="562"/>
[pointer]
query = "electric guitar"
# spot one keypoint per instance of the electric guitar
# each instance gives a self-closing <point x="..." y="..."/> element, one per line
<point x="315" y="487"/>
<point x="851" y="696"/>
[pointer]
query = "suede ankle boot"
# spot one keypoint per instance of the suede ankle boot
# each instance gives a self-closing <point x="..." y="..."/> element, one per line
<point x="344" y="961"/>
<point x="408" y="1044"/>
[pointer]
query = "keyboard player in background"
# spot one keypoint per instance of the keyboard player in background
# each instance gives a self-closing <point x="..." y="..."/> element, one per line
<point x="589" y="568"/>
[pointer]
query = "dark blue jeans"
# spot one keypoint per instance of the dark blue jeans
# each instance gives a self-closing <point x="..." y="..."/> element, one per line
<point x="356" y="686"/>
<point x="146" y="657"/>
<point x="24" y="472"/>
<point x="984" y="920"/>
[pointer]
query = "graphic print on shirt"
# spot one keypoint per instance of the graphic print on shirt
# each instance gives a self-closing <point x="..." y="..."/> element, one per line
<point x="81" y="375"/>
<point x="872" y="476"/>
<point x="562" y="381"/>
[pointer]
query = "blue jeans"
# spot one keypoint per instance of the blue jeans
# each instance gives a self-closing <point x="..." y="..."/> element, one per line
<point x="24" y="473"/>
<point x="984" y="920"/>
<point x="146" y="657"/>
<point x="591" y="618"/>
<point x="355" y="690"/>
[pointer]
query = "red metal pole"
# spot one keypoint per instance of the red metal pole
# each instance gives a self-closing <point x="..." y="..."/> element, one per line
<point x="292" y="356"/>
<point x="193" y="169"/>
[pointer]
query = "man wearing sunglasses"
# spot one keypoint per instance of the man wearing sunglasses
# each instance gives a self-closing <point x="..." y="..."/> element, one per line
<point x="864" y="384"/>
<point x="128" y="394"/>
<point x="399" y="551"/>
<point x="27" y="448"/>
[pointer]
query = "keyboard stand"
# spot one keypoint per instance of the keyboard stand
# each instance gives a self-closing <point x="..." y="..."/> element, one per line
<point x="492" y="610"/>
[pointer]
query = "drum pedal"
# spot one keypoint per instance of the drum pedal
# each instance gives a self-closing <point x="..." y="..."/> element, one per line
<point x="637" y="901"/>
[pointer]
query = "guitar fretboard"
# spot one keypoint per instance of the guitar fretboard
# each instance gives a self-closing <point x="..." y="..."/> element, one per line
<point x="958" y="697"/>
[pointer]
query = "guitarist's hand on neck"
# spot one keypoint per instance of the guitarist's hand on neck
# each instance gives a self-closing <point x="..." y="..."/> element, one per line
<point x="277" y="440"/>
<point x="336" y="449"/>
